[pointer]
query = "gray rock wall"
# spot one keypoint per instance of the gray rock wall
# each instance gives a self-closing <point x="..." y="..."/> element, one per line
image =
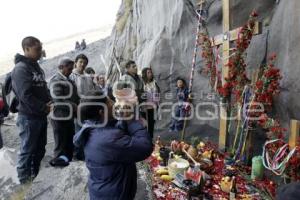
<point x="162" y="34"/>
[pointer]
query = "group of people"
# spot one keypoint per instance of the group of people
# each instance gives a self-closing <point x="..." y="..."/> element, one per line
<point x="80" y="46"/>
<point x="77" y="100"/>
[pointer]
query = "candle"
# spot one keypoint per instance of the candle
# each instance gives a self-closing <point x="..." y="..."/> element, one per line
<point x="257" y="168"/>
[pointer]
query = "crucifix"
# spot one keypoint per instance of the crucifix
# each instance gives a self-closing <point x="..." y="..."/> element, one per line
<point x="225" y="40"/>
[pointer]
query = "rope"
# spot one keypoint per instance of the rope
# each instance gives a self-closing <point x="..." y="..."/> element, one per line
<point x="241" y="145"/>
<point x="201" y="20"/>
<point x="274" y="165"/>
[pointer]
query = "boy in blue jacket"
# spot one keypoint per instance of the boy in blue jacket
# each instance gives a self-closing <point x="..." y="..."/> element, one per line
<point x="111" y="151"/>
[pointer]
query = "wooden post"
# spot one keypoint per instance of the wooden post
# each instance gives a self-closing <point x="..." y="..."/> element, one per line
<point x="226" y="46"/>
<point x="295" y="133"/>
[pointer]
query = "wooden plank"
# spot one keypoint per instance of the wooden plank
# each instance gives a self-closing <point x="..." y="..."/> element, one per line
<point x="223" y="132"/>
<point x="201" y="2"/>
<point x="226" y="15"/>
<point x="233" y="34"/>
<point x="223" y="129"/>
<point x="294" y="134"/>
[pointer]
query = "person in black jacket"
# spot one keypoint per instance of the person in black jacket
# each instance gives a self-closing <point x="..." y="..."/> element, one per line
<point x="30" y="87"/>
<point x="66" y="99"/>
<point x="133" y="79"/>
<point x="111" y="151"/>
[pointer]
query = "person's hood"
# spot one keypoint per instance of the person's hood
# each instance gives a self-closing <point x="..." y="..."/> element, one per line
<point x="21" y="58"/>
<point x="80" y="138"/>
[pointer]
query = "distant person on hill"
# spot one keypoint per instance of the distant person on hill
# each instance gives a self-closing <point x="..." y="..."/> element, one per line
<point x="77" y="46"/>
<point x="63" y="90"/>
<point x="83" y="44"/>
<point x="30" y="87"/>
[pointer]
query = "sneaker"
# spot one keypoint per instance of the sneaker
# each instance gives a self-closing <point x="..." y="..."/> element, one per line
<point x="61" y="161"/>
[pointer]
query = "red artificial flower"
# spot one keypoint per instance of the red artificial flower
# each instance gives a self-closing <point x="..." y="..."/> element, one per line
<point x="272" y="56"/>
<point x="259" y="84"/>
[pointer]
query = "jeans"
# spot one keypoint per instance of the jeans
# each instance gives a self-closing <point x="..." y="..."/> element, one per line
<point x="177" y="122"/>
<point x="33" y="134"/>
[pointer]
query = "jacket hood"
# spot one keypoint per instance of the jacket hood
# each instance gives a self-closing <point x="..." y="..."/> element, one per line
<point x="21" y="58"/>
<point x="81" y="136"/>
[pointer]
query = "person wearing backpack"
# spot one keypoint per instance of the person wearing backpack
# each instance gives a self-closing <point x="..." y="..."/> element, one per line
<point x="3" y="112"/>
<point x="9" y="97"/>
<point x="30" y="88"/>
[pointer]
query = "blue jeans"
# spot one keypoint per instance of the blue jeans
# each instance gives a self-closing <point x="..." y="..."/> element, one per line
<point x="177" y="124"/>
<point x="33" y="134"/>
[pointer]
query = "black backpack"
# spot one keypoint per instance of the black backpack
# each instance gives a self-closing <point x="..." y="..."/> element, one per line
<point x="9" y="97"/>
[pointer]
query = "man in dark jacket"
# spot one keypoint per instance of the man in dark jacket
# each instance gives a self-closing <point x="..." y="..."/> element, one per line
<point x="64" y="95"/>
<point x="111" y="152"/>
<point x="134" y="79"/>
<point x="30" y="87"/>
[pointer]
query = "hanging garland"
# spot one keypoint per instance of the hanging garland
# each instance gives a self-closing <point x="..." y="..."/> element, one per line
<point x="210" y="68"/>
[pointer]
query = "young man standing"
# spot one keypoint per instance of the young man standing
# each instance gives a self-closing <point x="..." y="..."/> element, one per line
<point x="30" y="87"/>
<point x="134" y="79"/>
<point x="64" y="94"/>
<point x="84" y="84"/>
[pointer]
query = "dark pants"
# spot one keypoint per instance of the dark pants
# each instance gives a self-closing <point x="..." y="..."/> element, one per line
<point x="33" y="134"/>
<point x="78" y="151"/>
<point x="63" y="132"/>
<point x="177" y="124"/>
<point x="151" y="121"/>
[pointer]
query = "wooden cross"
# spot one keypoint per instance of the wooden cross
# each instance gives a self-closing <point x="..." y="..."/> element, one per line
<point x="225" y="39"/>
<point x="294" y="134"/>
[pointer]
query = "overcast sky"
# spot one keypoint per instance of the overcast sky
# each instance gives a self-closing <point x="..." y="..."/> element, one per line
<point x="51" y="19"/>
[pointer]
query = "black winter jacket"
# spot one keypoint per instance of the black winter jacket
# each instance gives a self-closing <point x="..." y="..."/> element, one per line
<point x="30" y="87"/>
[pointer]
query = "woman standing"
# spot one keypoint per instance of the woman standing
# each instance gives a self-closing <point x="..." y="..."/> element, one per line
<point x="152" y="97"/>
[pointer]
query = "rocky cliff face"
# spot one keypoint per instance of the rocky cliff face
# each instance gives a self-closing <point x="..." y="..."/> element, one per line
<point x="161" y="34"/>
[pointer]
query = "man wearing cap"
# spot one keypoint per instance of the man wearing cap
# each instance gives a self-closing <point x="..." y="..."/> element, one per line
<point x="64" y="94"/>
<point x="30" y="87"/>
